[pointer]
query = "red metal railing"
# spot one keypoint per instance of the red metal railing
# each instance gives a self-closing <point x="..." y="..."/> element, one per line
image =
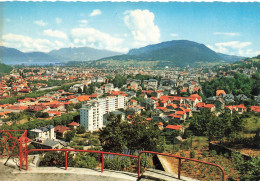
<point x="90" y="151"/>
<point x="8" y="143"/>
<point x="179" y="165"/>
<point x="8" y="140"/>
<point x="132" y="156"/>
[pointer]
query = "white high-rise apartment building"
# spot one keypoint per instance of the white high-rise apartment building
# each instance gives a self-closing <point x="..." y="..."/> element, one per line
<point x="91" y="114"/>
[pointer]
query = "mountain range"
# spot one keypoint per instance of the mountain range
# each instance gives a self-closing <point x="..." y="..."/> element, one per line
<point x="171" y="53"/>
<point x="14" y="56"/>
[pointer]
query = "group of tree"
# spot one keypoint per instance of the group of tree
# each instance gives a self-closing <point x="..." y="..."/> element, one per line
<point x="225" y="127"/>
<point x="120" y="135"/>
<point x="238" y="84"/>
<point x="5" y="68"/>
<point x="119" y="80"/>
<point x="61" y="120"/>
<point x="14" y="99"/>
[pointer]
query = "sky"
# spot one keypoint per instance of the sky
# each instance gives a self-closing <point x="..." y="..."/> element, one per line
<point x="230" y="28"/>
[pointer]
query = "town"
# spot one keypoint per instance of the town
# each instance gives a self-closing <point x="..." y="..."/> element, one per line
<point x="129" y="91"/>
<point x="67" y="107"/>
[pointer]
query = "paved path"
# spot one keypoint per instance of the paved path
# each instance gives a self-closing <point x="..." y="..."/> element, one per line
<point x="60" y="174"/>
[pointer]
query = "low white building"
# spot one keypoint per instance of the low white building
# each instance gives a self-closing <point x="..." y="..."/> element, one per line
<point x="75" y="88"/>
<point x="42" y="133"/>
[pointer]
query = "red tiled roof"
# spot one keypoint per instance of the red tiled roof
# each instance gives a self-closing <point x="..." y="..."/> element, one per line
<point x="83" y="98"/>
<point x="73" y="124"/>
<point x="175" y="127"/>
<point x="162" y="108"/>
<point x="17" y="107"/>
<point x="56" y="113"/>
<point x="61" y="129"/>
<point x="200" y="104"/>
<point x="209" y="105"/>
<point x="180" y="112"/>
<point x="132" y="100"/>
<point x="255" y="108"/>
<point x="93" y="95"/>
<point x="218" y="92"/>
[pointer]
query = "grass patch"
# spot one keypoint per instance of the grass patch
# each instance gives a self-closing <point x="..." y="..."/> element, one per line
<point x="252" y="124"/>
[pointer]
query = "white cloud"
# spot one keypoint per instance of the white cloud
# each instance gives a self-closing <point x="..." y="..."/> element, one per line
<point x="256" y="53"/>
<point x="7" y="20"/>
<point x="83" y="21"/>
<point x="96" y="39"/>
<point x="55" y="34"/>
<point x="40" y="23"/>
<point x="232" y="47"/>
<point x="233" y="44"/>
<point x="95" y="12"/>
<point x="142" y="27"/>
<point x="174" y="34"/>
<point x="226" y="33"/>
<point x="26" y="43"/>
<point x="58" y="20"/>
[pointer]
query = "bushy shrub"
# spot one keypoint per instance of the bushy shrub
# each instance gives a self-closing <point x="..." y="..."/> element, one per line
<point x="85" y="161"/>
<point x="213" y="153"/>
<point x="192" y="154"/>
<point x="205" y="153"/>
<point x="94" y="142"/>
<point x="182" y="154"/>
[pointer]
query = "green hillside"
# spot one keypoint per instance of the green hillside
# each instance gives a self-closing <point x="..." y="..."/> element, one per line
<point x="5" y="68"/>
<point x="171" y="53"/>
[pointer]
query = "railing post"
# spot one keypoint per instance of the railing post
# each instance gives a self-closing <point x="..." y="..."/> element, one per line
<point x="66" y="159"/>
<point x="139" y="165"/>
<point x="102" y="162"/>
<point x="26" y="159"/>
<point x="179" y="169"/>
<point x="20" y="154"/>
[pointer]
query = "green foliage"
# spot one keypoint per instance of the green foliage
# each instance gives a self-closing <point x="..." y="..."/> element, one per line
<point x="119" y="81"/>
<point x="192" y="154"/>
<point x="118" y="135"/>
<point x="78" y="105"/>
<point x="90" y="89"/>
<point x="69" y="135"/>
<point x="5" y="68"/>
<point x="205" y="153"/>
<point x="41" y="115"/>
<point x="34" y="94"/>
<point x="239" y="84"/>
<point x="94" y="142"/>
<point x="81" y="129"/>
<point x="51" y="82"/>
<point x="216" y="128"/>
<point x="173" y="53"/>
<point x="84" y="160"/>
<point x="56" y="159"/>
<point x="213" y="153"/>
<point x="249" y="169"/>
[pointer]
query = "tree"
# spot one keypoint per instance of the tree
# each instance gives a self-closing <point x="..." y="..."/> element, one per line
<point x="111" y="137"/>
<point x="69" y="135"/>
<point x="68" y="107"/>
<point x="78" y="105"/>
<point x="81" y="129"/>
<point x="79" y="90"/>
<point x="139" y="135"/>
<point x="85" y="89"/>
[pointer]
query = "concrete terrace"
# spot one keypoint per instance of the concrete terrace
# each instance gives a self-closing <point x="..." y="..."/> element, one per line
<point x="12" y="173"/>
